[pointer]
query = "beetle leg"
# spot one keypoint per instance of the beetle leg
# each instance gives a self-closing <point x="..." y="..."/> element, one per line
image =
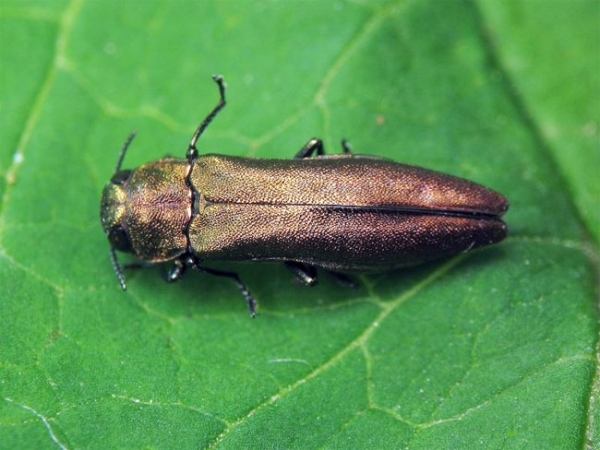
<point x="342" y="279"/>
<point x="193" y="263"/>
<point x="192" y="153"/>
<point x="346" y="149"/>
<point x="314" y="147"/>
<point x="177" y="271"/>
<point x="307" y="274"/>
<point x="236" y="278"/>
<point x="180" y="266"/>
<point x="309" y="149"/>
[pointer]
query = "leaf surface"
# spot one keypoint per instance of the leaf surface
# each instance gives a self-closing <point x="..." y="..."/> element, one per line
<point x="495" y="349"/>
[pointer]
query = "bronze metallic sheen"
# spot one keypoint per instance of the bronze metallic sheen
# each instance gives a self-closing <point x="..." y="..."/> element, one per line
<point x="343" y="213"/>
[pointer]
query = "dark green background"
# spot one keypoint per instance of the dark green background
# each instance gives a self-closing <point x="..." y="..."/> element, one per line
<point x="495" y="349"/>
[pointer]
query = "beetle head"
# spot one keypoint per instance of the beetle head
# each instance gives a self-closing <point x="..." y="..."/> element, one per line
<point x="113" y="210"/>
<point x="112" y="215"/>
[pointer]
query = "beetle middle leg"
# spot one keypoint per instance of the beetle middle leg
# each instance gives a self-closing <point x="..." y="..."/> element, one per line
<point x="250" y="301"/>
<point x="182" y="264"/>
<point x="305" y="273"/>
<point x="309" y="149"/>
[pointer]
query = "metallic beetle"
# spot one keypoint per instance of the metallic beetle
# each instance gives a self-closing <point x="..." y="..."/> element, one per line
<point x="342" y="213"/>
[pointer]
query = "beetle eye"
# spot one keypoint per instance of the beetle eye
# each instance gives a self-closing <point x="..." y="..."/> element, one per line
<point x="120" y="177"/>
<point x="119" y="238"/>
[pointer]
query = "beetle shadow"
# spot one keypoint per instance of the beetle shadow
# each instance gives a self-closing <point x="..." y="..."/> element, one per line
<point x="388" y="285"/>
<point x="273" y="286"/>
<point x="278" y="291"/>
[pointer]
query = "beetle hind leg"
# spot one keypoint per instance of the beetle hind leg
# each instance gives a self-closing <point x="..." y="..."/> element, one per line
<point x="307" y="274"/>
<point x="346" y="149"/>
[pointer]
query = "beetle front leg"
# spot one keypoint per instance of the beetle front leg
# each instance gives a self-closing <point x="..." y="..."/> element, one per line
<point x="177" y="271"/>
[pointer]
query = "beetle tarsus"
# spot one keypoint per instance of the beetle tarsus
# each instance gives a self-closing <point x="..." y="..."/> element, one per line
<point x="192" y="152"/>
<point x="346" y="149"/>
<point x="305" y="273"/>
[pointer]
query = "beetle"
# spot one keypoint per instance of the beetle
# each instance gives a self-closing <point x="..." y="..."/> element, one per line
<point x="342" y="213"/>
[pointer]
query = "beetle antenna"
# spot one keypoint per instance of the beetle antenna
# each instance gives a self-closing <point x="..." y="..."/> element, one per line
<point x="192" y="153"/>
<point x="117" y="267"/>
<point x="124" y="150"/>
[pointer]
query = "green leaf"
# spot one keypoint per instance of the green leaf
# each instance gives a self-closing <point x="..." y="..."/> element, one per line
<point x="493" y="349"/>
